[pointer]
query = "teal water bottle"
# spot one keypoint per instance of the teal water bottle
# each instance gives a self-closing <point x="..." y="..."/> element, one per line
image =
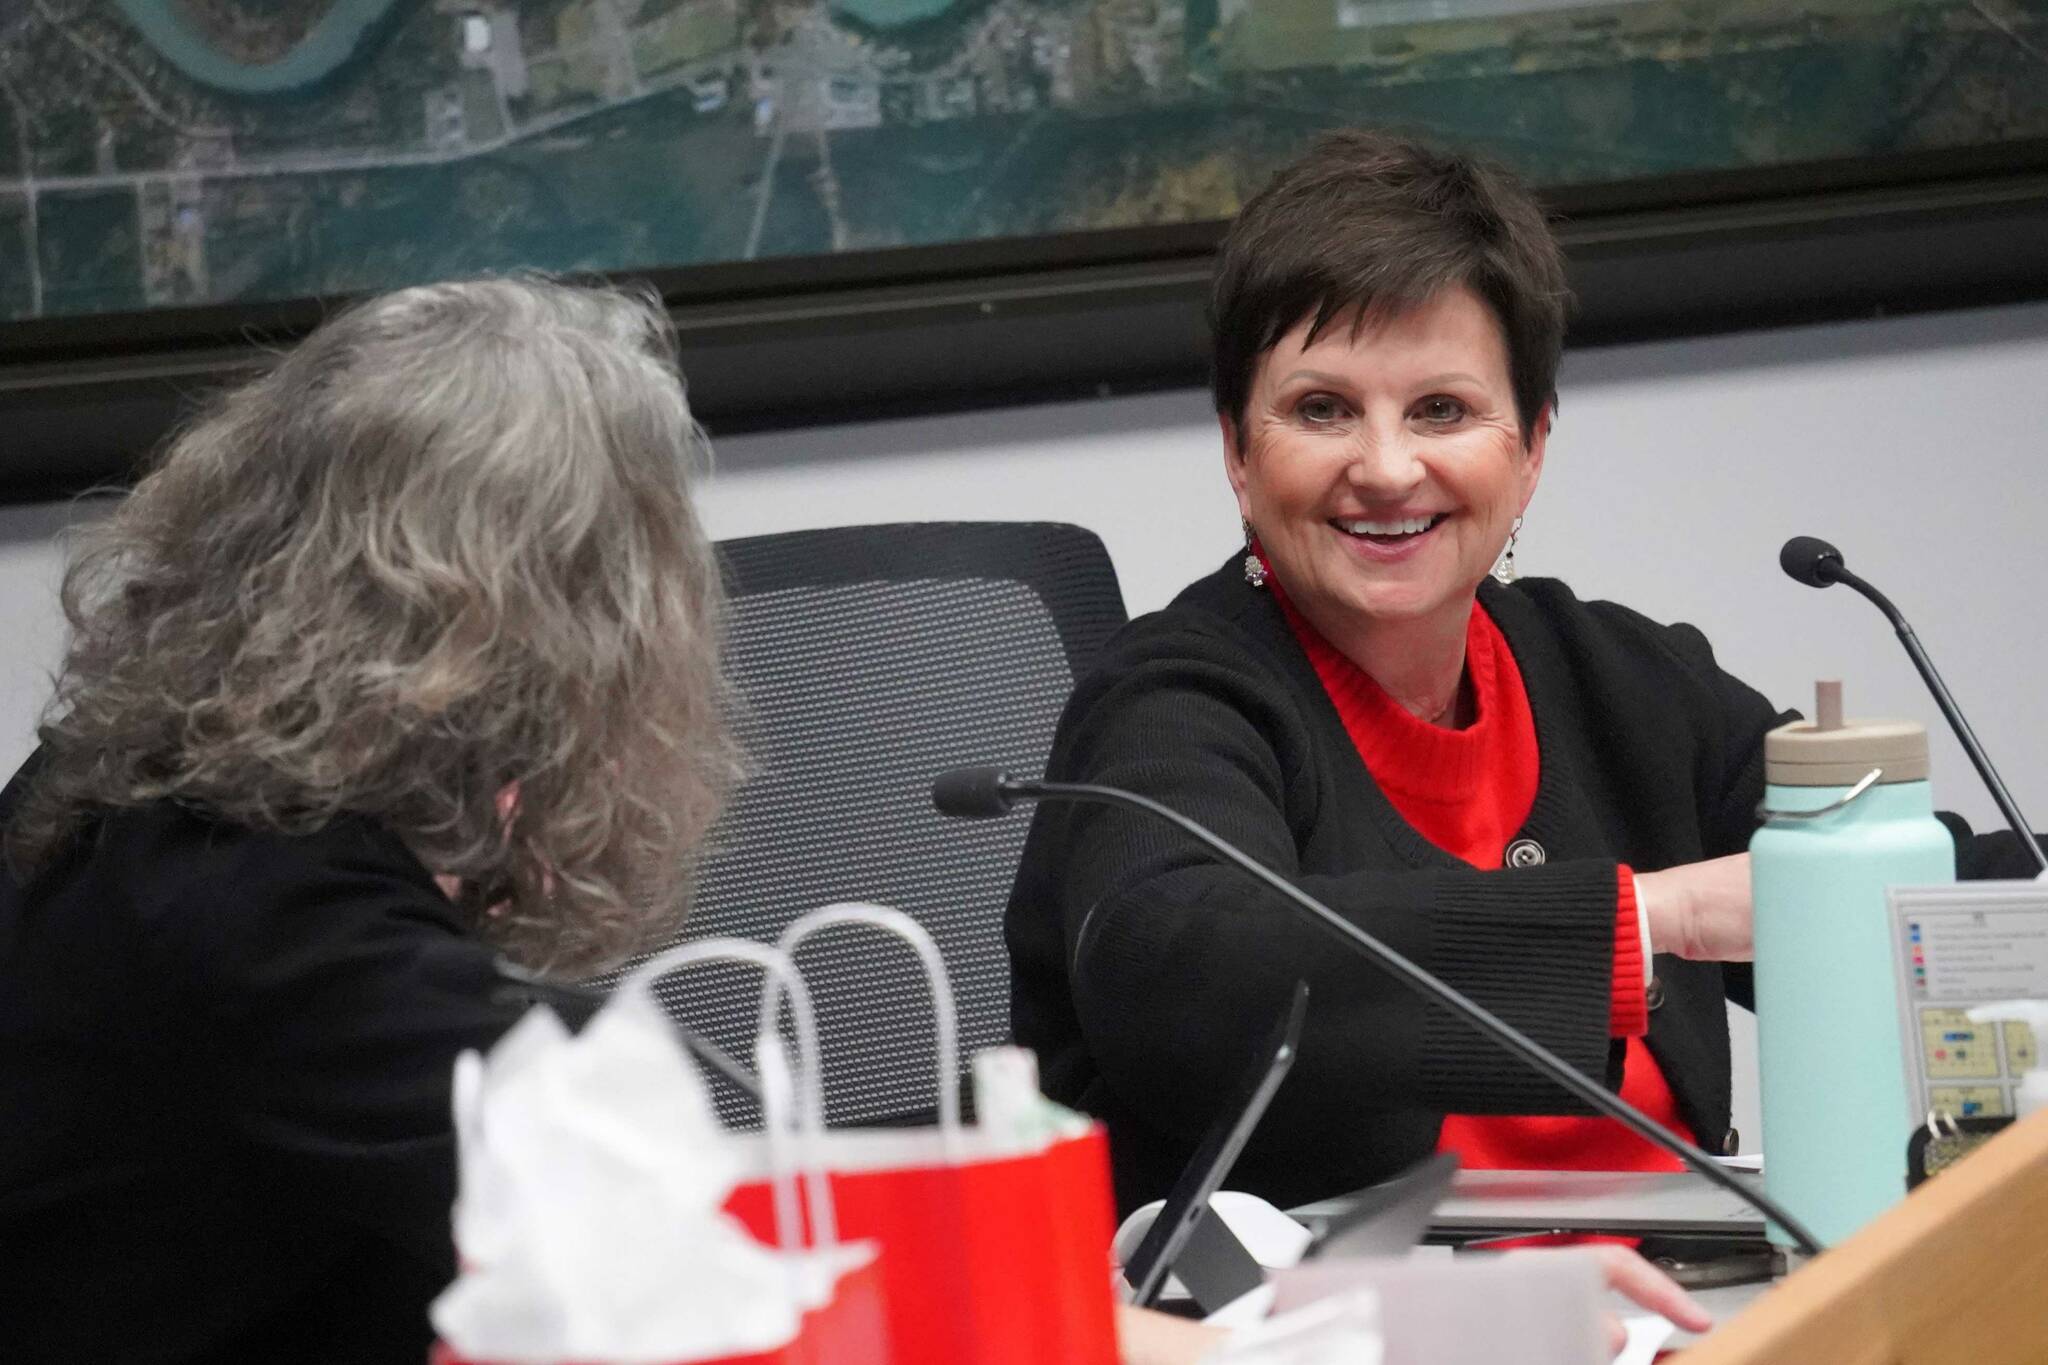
<point x="1847" y="813"/>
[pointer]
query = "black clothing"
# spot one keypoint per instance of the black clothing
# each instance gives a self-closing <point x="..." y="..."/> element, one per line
<point x="225" y="1063"/>
<point x="1144" y="971"/>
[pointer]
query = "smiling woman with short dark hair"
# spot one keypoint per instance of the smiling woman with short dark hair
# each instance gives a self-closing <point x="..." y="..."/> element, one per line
<point x="1543" y="800"/>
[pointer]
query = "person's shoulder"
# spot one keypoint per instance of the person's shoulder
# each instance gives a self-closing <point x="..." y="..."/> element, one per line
<point x="1596" y="629"/>
<point x="1625" y="663"/>
<point x="188" y="845"/>
<point x="215" y="899"/>
<point x="1557" y="601"/>
<point x="1218" y="661"/>
<point x="1219" y="618"/>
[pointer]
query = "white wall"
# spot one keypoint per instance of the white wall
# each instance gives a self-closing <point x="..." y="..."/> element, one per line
<point x="31" y="625"/>
<point x="1675" y="472"/>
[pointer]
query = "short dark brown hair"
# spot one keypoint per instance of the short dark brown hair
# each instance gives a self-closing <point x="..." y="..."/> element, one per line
<point x="1366" y="225"/>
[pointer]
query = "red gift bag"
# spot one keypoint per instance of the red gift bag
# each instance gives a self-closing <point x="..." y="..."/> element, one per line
<point x="841" y="1291"/>
<point x="991" y="1255"/>
<point x="988" y="1259"/>
<point x="849" y="1328"/>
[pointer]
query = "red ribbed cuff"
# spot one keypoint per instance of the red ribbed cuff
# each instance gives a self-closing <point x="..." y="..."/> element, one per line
<point x="1628" y="1014"/>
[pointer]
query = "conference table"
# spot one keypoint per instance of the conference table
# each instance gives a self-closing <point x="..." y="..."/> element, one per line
<point x="1954" y="1272"/>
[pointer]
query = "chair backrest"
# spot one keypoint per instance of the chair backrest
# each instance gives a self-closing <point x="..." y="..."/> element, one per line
<point x="866" y="660"/>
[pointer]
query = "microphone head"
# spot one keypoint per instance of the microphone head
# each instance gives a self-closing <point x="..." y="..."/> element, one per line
<point x="1810" y="560"/>
<point x="972" y="793"/>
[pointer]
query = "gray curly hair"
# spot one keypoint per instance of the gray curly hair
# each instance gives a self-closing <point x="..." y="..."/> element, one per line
<point x="445" y="546"/>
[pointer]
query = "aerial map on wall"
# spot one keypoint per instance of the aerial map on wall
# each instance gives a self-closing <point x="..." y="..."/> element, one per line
<point x="159" y="153"/>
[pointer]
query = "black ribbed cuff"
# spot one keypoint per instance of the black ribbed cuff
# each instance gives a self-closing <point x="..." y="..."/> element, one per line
<point x="1535" y="946"/>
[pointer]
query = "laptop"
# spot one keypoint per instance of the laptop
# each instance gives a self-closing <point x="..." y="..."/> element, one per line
<point x="1484" y="1204"/>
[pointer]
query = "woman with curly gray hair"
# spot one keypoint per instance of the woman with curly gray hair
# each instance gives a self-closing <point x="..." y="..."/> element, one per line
<point x="404" y="656"/>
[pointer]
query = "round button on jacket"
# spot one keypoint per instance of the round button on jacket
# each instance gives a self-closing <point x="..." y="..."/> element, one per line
<point x="1653" y="995"/>
<point x="1524" y="853"/>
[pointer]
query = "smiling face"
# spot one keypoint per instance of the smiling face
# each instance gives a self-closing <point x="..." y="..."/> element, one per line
<point x="1383" y="470"/>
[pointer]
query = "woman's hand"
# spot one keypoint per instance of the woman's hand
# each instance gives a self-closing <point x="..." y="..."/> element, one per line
<point x="1648" y="1288"/>
<point x="1148" y="1338"/>
<point x="1699" y="910"/>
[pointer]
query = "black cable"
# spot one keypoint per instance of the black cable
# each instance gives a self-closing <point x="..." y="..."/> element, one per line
<point x="1428" y="984"/>
<point x="1946" y="703"/>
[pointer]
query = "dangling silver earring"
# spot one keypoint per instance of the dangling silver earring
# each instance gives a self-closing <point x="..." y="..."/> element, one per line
<point x="1254" y="567"/>
<point x="1504" y="571"/>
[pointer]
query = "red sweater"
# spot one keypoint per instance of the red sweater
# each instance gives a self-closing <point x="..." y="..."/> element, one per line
<point x="1468" y="791"/>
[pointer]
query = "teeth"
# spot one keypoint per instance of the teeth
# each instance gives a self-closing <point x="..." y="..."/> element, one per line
<point x="1408" y="527"/>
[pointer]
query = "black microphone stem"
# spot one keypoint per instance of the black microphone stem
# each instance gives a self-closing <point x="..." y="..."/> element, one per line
<point x="2007" y="807"/>
<point x="1428" y="984"/>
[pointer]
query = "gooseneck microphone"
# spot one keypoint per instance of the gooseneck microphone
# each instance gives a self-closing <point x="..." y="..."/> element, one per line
<point x="982" y="793"/>
<point x="1812" y="561"/>
<point x="1817" y="564"/>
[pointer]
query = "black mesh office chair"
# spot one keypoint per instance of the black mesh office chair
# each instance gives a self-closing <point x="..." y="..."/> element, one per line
<point x="866" y="660"/>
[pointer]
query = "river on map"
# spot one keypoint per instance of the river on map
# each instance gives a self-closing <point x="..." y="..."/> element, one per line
<point x="886" y="14"/>
<point x="340" y="35"/>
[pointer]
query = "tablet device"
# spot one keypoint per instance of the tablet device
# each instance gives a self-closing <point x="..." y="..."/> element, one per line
<point x="1390" y="1218"/>
<point x="1188" y="1204"/>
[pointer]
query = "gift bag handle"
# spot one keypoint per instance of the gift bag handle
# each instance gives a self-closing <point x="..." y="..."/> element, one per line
<point x="945" y="1019"/>
<point x="781" y="973"/>
<point x="778" y="1108"/>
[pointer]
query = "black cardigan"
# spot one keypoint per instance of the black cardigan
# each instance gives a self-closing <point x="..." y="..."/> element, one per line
<point x="224" y="1081"/>
<point x="1144" y="971"/>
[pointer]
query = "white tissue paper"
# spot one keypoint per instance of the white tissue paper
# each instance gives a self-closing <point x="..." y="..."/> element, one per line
<point x="588" y="1226"/>
<point x="1012" y="1116"/>
<point x="1539" y="1308"/>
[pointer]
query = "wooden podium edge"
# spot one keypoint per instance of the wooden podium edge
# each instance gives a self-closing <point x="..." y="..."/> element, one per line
<point x="1956" y="1272"/>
